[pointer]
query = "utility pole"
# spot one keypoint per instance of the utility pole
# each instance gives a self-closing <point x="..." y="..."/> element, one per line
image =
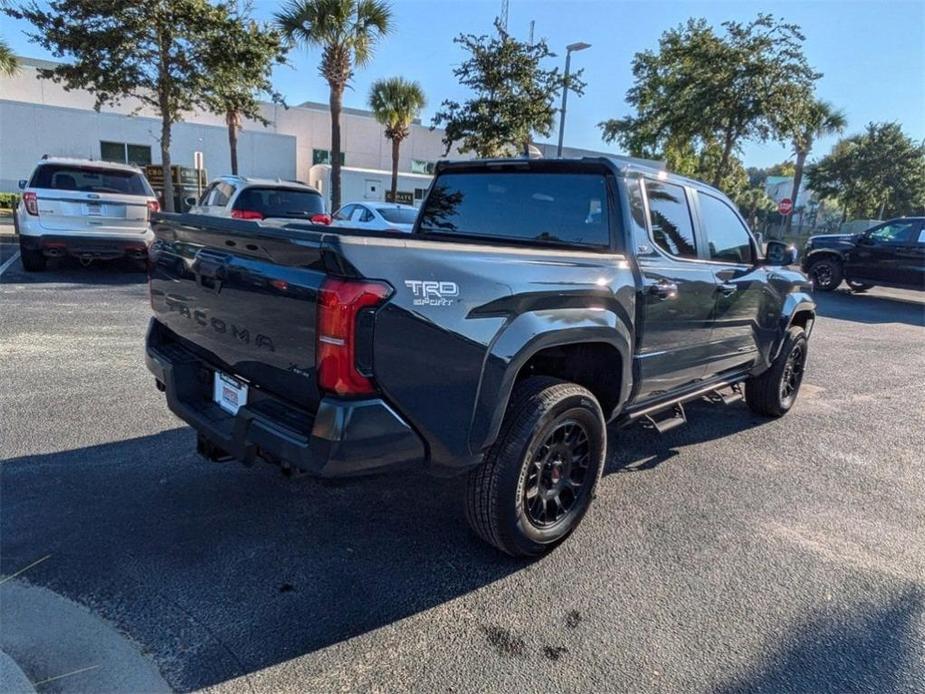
<point x="505" y="9"/>
<point x="580" y="46"/>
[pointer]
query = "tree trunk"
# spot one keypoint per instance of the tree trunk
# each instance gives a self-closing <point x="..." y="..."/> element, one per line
<point x="728" y="144"/>
<point x="396" y="144"/>
<point x="336" y="103"/>
<point x="882" y="207"/>
<point x="231" y="118"/>
<point x="795" y="193"/>
<point x="166" y="117"/>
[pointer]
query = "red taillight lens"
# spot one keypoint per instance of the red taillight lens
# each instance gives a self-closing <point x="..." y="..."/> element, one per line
<point x="246" y="214"/>
<point x="339" y="303"/>
<point x="31" y="201"/>
<point x="153" y="206"/>
<point x="321" y="219"/>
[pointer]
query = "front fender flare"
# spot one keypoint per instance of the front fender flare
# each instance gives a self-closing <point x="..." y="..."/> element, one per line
<point x="530" y="333"/>
<point x="794" y="303"/>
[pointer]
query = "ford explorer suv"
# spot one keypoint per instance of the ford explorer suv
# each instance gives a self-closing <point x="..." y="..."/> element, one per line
<point x="92" y="210"/>
<point x="533" y="303"/>
<point x="891" y="254"/>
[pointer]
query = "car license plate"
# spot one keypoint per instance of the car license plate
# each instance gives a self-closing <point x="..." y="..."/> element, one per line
<point x="94" y="209"/>
<point x="229" y="393"/>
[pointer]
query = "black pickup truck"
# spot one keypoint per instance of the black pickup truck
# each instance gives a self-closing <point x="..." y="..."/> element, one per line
<point x="891" y="254"/>
<point x="533" y="303"/>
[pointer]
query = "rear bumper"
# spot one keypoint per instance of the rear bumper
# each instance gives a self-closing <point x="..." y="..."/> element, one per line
<point x="343" y="438"/>
<point x="89" y="247"/>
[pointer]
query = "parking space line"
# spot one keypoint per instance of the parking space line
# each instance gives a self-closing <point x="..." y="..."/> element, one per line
<point x="8" y="262"/>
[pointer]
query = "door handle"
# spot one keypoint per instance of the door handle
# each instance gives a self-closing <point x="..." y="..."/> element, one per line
<point x="727" y="289"/>
<point x="663" y="289"/>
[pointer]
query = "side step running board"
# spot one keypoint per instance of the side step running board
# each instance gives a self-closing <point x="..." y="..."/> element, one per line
<point x="667" y="419"/>
<point x="726" y="395"/>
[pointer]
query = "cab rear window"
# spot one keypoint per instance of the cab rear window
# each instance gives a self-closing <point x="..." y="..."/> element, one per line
<point x="280" y="202"/>
<point x="567" y="208"/>
<point x="89" y="179"/>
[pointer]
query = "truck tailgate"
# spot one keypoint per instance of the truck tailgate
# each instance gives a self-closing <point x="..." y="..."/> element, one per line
<point x="242" y="297"/>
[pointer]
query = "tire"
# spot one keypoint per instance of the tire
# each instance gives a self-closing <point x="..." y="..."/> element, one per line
<point x="32" y="260"/>
<point x="859" y="287"/>
<point x="826" y="274"/>
<point x="768" y="394"/>
<point x="566" y="420"/>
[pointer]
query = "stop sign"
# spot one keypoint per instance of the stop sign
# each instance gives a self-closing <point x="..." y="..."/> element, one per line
<point x="785" y="206"/>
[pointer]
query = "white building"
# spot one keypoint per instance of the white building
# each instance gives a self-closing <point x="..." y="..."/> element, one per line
<point x="40" y="117"/>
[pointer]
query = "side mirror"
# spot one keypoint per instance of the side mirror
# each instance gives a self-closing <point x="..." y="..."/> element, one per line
<point x="190" y="200"/>
<point x="780" y="254"/>
<point x="22" y="183"/>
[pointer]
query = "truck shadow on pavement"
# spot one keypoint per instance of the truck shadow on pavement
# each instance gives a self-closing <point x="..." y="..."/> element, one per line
<point x="637" y="448"/>
<point x="70" y="271"/>
<point x="219" y="570"/>
<point x="866" y="308"/>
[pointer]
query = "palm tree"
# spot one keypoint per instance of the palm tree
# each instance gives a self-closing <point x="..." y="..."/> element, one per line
<point x="396" y="103"/>
<point x="9" y="66"/>
<point x="818" y="119"/>
<point x="346" y="31"/>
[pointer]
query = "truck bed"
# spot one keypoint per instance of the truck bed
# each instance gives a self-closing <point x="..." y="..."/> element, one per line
<point x="243" y="299"/>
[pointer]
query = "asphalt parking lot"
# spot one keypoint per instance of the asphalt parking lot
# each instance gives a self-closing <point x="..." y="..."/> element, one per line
<point x="734" y="554"/>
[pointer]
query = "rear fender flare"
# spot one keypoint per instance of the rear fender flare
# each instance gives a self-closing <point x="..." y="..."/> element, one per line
<point x="525" y="336"/>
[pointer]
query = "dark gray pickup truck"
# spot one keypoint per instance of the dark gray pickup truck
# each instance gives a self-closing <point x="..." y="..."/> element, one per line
<point x="533" y="303"/>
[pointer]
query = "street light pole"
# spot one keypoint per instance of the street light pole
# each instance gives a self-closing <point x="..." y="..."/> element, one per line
<point x="580" y="46"/>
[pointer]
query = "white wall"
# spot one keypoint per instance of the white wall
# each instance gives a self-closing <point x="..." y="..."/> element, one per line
<point x="28" y="131"/>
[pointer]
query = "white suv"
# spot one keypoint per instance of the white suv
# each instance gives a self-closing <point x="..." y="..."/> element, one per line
<point x="84" y="208"/>
<point x="269" y="200"/>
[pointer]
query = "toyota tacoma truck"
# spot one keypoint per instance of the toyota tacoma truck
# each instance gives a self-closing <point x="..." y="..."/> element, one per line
<point x="534" y="303"/>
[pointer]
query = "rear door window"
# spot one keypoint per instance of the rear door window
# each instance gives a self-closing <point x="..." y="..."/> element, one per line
<point x="568" y="208"/>
<point x="398" y="215"/>
<point x="670" y="219"/>
<point x="90" y="179"/>
<point x="280" y="202"/>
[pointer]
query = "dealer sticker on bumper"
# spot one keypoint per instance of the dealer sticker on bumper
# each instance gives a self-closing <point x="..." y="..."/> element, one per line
<point x="229" y="393"/>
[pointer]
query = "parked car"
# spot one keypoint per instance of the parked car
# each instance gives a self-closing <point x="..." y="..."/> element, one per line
<point x="268" y="200"/>
<point x="534" y="302"/>
<point x="891" y="254"/>
<point x="84" y="208"/>
<point x="376" y="216"/>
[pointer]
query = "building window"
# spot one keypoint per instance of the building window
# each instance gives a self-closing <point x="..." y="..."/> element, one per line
<point x="124" y="153"/>
<point x="419" y="193"/>
<point x="420" y="166"/>
<point x="323" y="156"/>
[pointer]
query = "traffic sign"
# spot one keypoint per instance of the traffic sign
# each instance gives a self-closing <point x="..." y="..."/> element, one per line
<point x="785" y="206"/>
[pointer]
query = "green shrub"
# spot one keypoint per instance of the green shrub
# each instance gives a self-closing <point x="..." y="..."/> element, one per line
<point x="9" y="200"/>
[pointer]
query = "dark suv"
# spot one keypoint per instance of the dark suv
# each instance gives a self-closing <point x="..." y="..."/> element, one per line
<point x="891" y="254"/>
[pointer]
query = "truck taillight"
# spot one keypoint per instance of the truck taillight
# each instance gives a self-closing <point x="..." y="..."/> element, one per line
<point x="246" y="214"/>
<point x="339" y="304"/>
<point x="31" y="201"/>
<point x="153" y="206"/>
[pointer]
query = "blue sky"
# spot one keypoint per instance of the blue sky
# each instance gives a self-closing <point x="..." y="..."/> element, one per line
<point x="872" y="54"/>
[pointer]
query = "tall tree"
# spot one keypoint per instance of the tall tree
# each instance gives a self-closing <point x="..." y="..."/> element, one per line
<point x="513" y="98"/>
<point x="879" y="173"/>
<point x="396" y="103"/>
<point x="705" y="89"/>
<point x="240" y="62"/>
<point x="155" y="52"/>
<point x="346" y="31"/>
<point x="814" y="120"/>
